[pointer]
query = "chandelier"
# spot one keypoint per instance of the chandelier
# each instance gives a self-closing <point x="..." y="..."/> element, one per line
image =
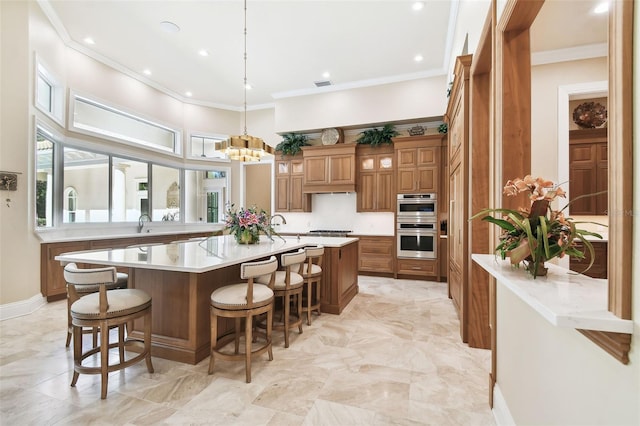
<point x="245" y="147"/>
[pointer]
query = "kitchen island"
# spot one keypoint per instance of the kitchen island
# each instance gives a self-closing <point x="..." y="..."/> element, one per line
<point x="181" y="276"/>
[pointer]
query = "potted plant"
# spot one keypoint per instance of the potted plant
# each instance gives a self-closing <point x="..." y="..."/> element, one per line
<point x="537" y="234"/>
<point x="292" y="143"/>
<point x="375" y="137"/>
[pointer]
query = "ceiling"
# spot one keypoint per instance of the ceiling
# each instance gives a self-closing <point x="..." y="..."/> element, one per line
<point x="290" y="43"/>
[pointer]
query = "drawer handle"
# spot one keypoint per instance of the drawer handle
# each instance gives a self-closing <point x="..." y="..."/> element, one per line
<point x="415" y="267"/>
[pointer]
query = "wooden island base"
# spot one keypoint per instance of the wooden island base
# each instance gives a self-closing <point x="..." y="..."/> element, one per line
<point x="180" y="313"/>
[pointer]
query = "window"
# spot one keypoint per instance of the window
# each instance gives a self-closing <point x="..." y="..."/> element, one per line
<point x="206" y="192"/>
<point x="96" y="118"/>
<point x="45" y="146"/>
<point x="129" y="189"/>
<point x="165" y="196"/>
<point x="71" y="201"/>
<point x="87" y="173"/>
<point x="207" y="147"/>
<point x="49" y="93"/>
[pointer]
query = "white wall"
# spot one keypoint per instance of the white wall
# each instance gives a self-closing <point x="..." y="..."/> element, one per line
<point x="545" y="80"/>
<point x="419" y="98"/>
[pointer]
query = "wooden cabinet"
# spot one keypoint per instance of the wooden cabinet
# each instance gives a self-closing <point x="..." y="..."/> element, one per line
<point x="289" y="171"/>
<point x="376" y="254"/>
<point x="52" y="283"/>
<point x="588" y="171"/>
<point x="599" y="268"/>
<point x="339" y="277"/>
<point x="329" y="168"/>
<point x="468" y="177"/>
<point x="417" y="267"/>
<point x="375" y="190"/>
<point x="417" y="162"/>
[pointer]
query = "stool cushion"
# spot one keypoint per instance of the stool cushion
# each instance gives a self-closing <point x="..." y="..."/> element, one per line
<point x="315" y="269"/>
<point x="234" y="296"/>
<point x="296" y="280"/>
<point x="121" y="302"/>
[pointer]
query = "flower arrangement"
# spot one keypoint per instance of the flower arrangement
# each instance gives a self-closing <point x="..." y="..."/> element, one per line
<point x="538" y="233"/>
<point x="246" y="224"/>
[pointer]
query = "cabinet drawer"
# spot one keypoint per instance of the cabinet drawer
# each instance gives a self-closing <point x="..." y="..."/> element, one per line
<point x="376" y="264"/>
<point x="419" y="267"/>
<point x="376" y="247"/>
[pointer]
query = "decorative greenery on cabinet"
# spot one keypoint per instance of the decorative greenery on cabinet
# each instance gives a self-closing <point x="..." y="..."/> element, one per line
<point x="292" y="143"/>
<point x="376" y="137"/>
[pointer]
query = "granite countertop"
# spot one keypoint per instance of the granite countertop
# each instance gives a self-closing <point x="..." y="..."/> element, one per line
<point x="199" y="255"/>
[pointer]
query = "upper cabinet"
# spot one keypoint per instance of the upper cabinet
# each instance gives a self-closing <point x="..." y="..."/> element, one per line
<point x="329" y="168"/>
<point x="588" y="171"/>
<point x="376" y="192"/>
<point x="289" y="179"/>
<point x="417" y="163"/>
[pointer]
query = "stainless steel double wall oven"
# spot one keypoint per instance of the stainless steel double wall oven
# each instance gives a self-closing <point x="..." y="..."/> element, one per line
<point x="416" y="226"/>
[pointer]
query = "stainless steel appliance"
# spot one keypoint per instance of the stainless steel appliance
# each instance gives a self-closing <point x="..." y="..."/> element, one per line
<point x="330" y="232"/>
<point x="417" y="238"/>
<point x="417" y="205"/>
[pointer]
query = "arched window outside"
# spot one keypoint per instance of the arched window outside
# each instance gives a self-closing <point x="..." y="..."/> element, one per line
<point x="70" y="203"/>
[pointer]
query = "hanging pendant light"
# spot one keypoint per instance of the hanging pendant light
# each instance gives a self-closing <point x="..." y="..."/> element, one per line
<point x="246" y="147"/>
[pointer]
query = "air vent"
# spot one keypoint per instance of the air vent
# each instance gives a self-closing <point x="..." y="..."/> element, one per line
<point x="322" y="83"/>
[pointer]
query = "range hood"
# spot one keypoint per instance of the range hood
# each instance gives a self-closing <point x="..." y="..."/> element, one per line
<point x="329" y="169"/>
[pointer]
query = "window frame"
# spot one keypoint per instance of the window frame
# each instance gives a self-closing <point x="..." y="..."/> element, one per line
<point x="57" y="99"/>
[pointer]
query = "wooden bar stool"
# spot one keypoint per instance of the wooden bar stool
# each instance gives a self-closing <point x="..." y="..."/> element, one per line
<point x="105" y="310"/>
<point x="287" y="284"/>
<point x="243" y="300"/>
<point x="83" y="290"/>
<point x="312" y="275"/>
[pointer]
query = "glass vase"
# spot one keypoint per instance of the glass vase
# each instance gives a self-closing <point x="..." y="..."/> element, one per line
<point x="247" y="236"/>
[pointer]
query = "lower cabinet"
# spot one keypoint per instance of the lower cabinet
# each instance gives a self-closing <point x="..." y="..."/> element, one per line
<point x="417" y="267"/>
<point x="375" y="254"/>
<point x="339" y="277"/>
<point x="52" y="283"/>
<point x="599" y="267"/>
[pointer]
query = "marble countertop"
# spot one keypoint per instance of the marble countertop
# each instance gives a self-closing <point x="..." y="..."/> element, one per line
<point x="563" y="297"/>
<point x="197" y="255"/>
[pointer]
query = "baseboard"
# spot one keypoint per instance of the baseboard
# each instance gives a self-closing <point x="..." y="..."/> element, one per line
<point x="500" y="409"/>
<point x="23" y="307"/>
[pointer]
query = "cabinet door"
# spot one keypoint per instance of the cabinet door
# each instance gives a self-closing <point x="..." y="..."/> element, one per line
<point x="316" y="171"/>
<point x="406" y="158"/>
<point x="582" y="177"/>
<point x="406" y="181"/>
<point x="341" y="169"/>
<point x="297" y="199"/>
<point x="282" y="193"/>
<point x="367" y="192"/>
<point x="456" y="222"/>
<point x="427" y="179"/>
<point x="283" y="168"/>
<point x="428" y="156"/>
<point x="385" y="195"/>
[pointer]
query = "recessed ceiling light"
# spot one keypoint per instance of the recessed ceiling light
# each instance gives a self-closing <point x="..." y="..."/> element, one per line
<point x="418" y="58"/>
<point x="89" y="40"/>
<point x="417" y="5"/>
<point x="188" y="94"/>
<point x="147" y="71"/>
<point x="203" y="52"/>
<point x="169" y="27"/>
<point x="326" y="74"/>
<point x="602" y="8"/>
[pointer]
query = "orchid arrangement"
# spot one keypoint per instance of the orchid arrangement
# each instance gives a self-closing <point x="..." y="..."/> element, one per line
<point x="246" y="224"/>
<point x="538" y="233"/>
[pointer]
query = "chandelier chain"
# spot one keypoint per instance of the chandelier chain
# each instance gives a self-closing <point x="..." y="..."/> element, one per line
<point x="245" y="68"/>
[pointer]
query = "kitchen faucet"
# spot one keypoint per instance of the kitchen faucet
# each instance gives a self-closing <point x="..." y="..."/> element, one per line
<point x="141" y="221"/>
<point x="284" y="221"/>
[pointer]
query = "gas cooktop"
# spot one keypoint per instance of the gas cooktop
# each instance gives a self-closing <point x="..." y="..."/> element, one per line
<point x="330" y="232"/>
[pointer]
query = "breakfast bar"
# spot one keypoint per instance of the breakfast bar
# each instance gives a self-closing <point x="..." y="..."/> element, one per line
<point x="181" y="276"/>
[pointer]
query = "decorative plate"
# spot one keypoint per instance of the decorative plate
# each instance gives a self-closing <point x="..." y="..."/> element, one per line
<point x="589" y="115"/>
<point x="330" y="136"/>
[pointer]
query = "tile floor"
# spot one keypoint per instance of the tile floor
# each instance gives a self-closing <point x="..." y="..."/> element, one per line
<point x="393" y="357"/>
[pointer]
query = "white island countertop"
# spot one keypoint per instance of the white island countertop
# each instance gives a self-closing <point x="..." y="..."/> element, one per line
<point x="198" y="255"/>
<point x="564" y="298"/>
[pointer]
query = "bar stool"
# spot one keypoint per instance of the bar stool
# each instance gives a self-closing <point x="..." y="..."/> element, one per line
<point x="105" y="310"/>
<point x="312" y="275"/>
<point x="288" y="283"/>
<point x="83" y="290"/>
<point x="243" y="300"/>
